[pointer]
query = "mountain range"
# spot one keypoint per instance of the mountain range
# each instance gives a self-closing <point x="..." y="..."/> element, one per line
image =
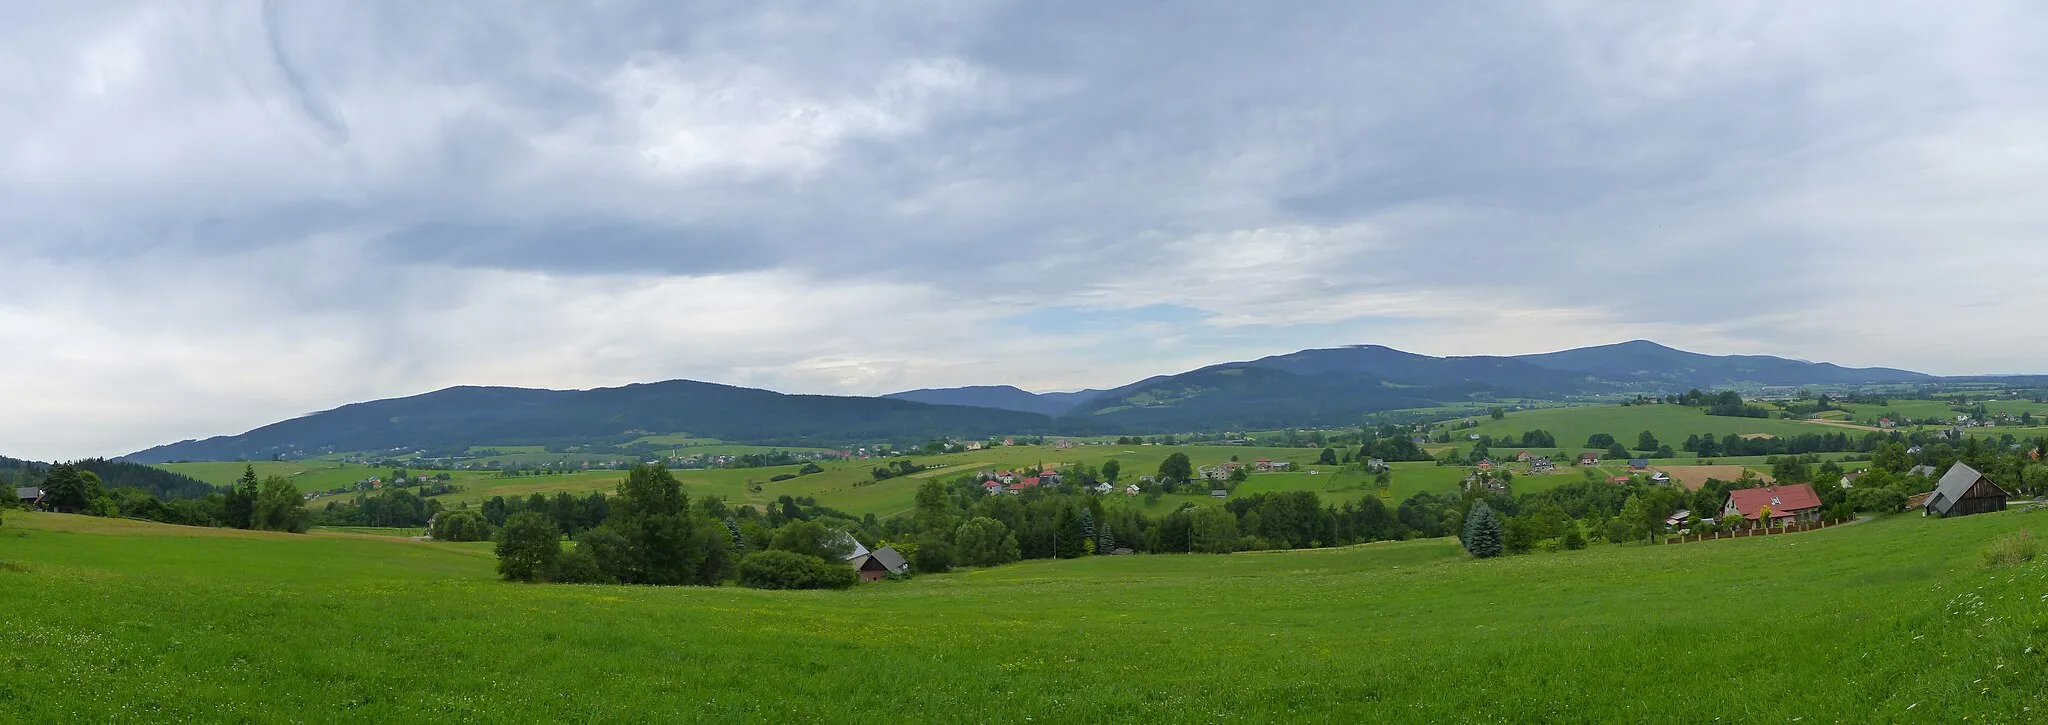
<point x="1310" y="387"/>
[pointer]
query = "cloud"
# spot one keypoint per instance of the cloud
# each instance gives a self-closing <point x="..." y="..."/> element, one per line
<point x="220" y="214"/>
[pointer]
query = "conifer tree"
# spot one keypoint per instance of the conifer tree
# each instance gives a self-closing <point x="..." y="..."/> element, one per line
<point x="1482" y="532"/>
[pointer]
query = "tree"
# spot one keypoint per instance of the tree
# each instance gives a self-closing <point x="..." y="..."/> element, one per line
<point x="1599" y="440"/>
<point x="1110" y="469"/>
<point x="1891" y="457"/>
<point x="811" y="538"/>
<point x="1328" y="457"/>
<point x="1791" y="469"/>
<point x="1638" y="518"/>
<point x="934" y="555"/>
<point x="653" y="515"/>
<point x="933" y="506"/>
<point x="1215" y="531"/>
<point x="460" y="526"/>
<point x="1647" y="441"/>
<point x="70" y="489"/>
<point x="1498" y="413"/>
<point x="1176" y="468"/>
<point x="1574" y="539"/>
<point x="1518" y="535"/>
<point x="1617" y="452"/>
<point x="528" y="547"/>
<point x="984" y="541"/>
<point x="1482" y="537"/>
<point x="279" y="507"/>
<point x="241" y="499"/>
<point x="790" y="570"/>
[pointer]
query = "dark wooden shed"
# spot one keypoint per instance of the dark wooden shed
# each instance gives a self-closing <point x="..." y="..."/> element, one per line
<point x="1964" y="491"/>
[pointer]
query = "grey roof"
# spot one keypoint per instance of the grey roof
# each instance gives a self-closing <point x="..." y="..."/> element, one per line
<point x="888" y="558"/>
<point x="1927" y="471"/>
<point x="28" y="493"/>
<point x="1953" y="485"/>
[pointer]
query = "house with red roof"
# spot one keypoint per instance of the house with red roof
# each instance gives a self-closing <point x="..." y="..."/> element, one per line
<point x="1264" y="464"/>
<point x="1589" y="459"/>
<point x="1787" y="504"/>
<point x="1522" y="456"/>
<point x="993" y="487"/>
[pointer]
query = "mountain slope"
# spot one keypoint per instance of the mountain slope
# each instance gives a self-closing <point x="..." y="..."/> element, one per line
<point x="478" y="415"/>
<point x="1649" y="362"/>
<point x="1000" y="397"/>
<point x="113" y="474"/>
<point x="1240" y="397"/>
<point x="1504" y="375"/>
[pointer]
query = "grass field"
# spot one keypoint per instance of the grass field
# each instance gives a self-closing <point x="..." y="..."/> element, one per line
<point x="1894" y="620"/>
<point x="1670" y="423"/>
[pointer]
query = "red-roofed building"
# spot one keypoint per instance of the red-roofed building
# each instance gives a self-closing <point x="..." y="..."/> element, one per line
<point x="1618" y="479"/>
<point x="992" y="487"/>
<point x="1522" y="456"/>
<point x="1787" y="503"/>
<point x="1264" y="464"/>
<point x="1589" y="459"/>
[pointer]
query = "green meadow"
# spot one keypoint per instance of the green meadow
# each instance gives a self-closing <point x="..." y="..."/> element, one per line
<point x="1893" y="620"/>
<point x="1670" y="423"/>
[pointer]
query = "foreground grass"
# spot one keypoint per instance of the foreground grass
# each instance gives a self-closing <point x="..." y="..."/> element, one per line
<point x="1892" y="620"/>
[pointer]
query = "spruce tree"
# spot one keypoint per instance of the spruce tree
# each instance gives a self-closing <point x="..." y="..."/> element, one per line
<point x="1088" y="527"/>
<point x="1482" y="532"/>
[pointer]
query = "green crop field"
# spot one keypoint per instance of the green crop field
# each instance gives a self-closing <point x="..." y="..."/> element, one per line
<point x="307" y="475"/>
<point x="1894" y="620"/>
<point x="1670" y="423"/>
<point x="1905" y="407"/>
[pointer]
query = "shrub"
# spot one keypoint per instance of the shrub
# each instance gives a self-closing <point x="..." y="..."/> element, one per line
<point x="460" y="526"/>
<point x="2016" y="548"/>
<point x="1574" y="540"/>
<point x="932" y="556"/>
<point x="789" y="570"/>
<point x="781" y="477"/>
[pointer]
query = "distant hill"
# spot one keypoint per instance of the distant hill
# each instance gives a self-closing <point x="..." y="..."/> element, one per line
<point x="113" y="474"/>
<point x="514" y="416"/>
<point x="1642" y="361"/>
<point x="1000" y="397"/>
<point x="1335" y="386"/>
<point x="1243" y="396"/>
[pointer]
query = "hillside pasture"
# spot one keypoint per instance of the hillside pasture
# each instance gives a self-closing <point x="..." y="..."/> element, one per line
<point x="1670" y="423"/>
<point x="1881" y="622"/>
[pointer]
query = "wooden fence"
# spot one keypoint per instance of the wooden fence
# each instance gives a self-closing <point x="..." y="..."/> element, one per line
<point x="1773" y="531"/>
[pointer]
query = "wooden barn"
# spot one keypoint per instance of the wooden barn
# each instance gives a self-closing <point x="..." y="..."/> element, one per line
<point x="880" y="564"/>
<point x="1964" y="491"/>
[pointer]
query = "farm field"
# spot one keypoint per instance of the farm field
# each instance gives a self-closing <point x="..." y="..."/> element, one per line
<point x="308" y="475"/>
<point x="1670" y="423"/>
<point x="1876" y="622"/>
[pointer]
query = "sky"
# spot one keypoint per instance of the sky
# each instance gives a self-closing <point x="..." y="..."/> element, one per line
<point x="214" y="216"/>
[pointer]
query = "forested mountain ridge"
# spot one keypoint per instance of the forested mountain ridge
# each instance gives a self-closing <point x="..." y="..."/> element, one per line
<point x="521" y="416"/>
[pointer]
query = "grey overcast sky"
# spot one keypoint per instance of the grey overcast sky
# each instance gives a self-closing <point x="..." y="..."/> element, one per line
<point x="217" y="215"/>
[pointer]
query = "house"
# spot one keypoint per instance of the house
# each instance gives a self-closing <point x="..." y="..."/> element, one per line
<point x="1638" y="465"/>
<point x="1660" y="478"/>
<point x="1677" y="518"/>
<point x="1219" y="493"/>
<point x="1486" y="464"/>
<point x="1131" y="490"/>
<point x="1104" y="488"/>
<point x="1522" y="456"/>
<point x="1788" y="504"/>
<point x="1885" y="423"/>
<point x="29" y="497"/>
<point x="1964" y="491"/>
<point x="1377" y="465"/>
<point x="1282" y="465"/>
<point x="880" y="564"/>
<point x="1849" y="479"/>
<point x="1263" y="464"/>
<point x="992" y="487"/>
<point x="1927" y="471"/>
<point x="1541" y="464"/>
<point x="1589" y="459"/>
<point x="1914" y="451"/>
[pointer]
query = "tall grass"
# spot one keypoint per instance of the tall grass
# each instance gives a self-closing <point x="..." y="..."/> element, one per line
<point x="1880" y="622"/>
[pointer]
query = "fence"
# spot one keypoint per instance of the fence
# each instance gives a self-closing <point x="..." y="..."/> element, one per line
<point x="1791" y="529"/>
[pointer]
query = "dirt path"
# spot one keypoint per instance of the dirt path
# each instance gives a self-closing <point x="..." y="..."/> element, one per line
<point x="1842" y="424"/>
